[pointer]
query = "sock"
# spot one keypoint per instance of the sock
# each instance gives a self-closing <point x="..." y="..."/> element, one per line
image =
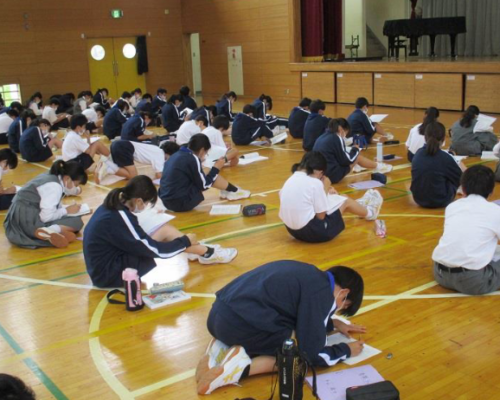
<point x="245" y="373"/>
<point x="209" y="253"/>
<point x="231" y="188"/>
<point x="369" y="212"/>
<point x="112" y="167"/>
<point x="55" y="228"/>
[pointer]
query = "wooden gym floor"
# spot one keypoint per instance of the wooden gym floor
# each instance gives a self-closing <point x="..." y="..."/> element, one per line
<point x="60" y="336"/>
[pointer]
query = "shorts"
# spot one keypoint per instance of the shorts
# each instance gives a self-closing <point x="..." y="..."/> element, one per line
<point x="183" y="205"/>
<point x="84" y="160"/>
<point x="320" y="231"/>
<point x="122" y="152"/>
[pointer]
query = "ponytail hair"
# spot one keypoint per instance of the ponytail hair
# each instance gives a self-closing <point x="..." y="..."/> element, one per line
<point x="312" y="160"/>
<point x="431" y="115"/>
<point x="139" y="187"/>
<point x="470" y="115"/>
<point x="71" y="168"/>
<point x="336" y="123"/>
<point x="434" y="137"/>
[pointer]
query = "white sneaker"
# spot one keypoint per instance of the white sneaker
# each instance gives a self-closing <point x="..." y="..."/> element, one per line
<point x="214" y="356"/>
<point x="240" y="194"/>
<point x="372" y="200"/>
<point x="223" y="194"/>
<point x="383" y="168"/>
<point x="221" y="256"/>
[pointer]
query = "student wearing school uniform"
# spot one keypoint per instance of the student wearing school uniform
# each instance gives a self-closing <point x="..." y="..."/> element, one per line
<point x="256" y="313"/>
<point x="101" y="98"/>
<point x="66" y="101"/>
<point x="187" y="100"/>
<point x="95" y="117"/>
<point x="135" y="128"/>
<point x="416" y="138"/>
<point x="262" y="105"/>
<point x="83" y="102"/>
<point x="169" y="148"/>
<point x="36" y="142"/>
<point x="466" y="142"/>
<point x="298" y="117"/>
<point x="209" y="112"/>
<point x="37" y="218"/>
<point x="183" y="180"/>
<point x="247" y="129"/>
<point x="215" y="134"/>
<point x="362" y="125"/>
<point x="35" y="104"/>
<point x="159" y="101"/>
<point x="126" y="96"/>
<point x="6" y="120"/>
<point x="114" y="240"/>
<point x="136" y="98"/>
<point x="114" y="120"/>
<point x="304" y="206"/>
<point x="57" y="121"/>
<point x="190" y="128"/>
<point x="15" y="105"/>
<point x="145" y="104"/>
<point x="464" y="257"/>
<point x="8" y="161"/>
<point x="18" y="126"/>
<point x="316" y="124"/>
<point x="225" y="105"/>
<point x="170" y="114"/>
<point x="435" y="175"/>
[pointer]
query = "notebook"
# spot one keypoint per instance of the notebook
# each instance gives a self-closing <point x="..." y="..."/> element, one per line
<point x="279" y="138"/>
<point x="232" y="209"/>
<point x="366" y="185"/>
<point x="335" y="201"/>
<point x="488" y="155"/>
<point x="155" y="301"/>
<point x="84" y="210"/>
<point x="250" y="158"/>
<point x="378" y="117"/>
<point x="94" y="139"/>
<point x="151" y="220"/>
<point x="368" y="351"/>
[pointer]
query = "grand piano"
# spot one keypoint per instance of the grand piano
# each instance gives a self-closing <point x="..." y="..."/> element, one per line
<point x="416" y="28"/>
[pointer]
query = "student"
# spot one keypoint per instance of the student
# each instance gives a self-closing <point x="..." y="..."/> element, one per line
<point x="316" y="124"/>
<point x="36" y="143"/>
<point x="135" y="128"/>
<point x="169" y="148"/>
<point x="136" y="98"/>
<point x="216" y="134"/>
<point x="83" y="102"/>
<point x="262" y="105"/>
<point x="6" y="120"/>
<point x="298" y="117"/>
<point x="66" y="101"/>
<point x="145" y="104"/>
<point x="15" y="105"/>
<point x="37" y="218"/>
<point x="361" y="124"/>
<point x="416" y="138"/>
<point x="209" y="112"/>
<point x="101" y="98"/>
<point x="463" y="259"/>
<point x="159" y="101"/>
<point x="435" y="175"/>
<point x="114" y="240"/>
<point x="187" y="100"/>
<point x="246" y="128"/>
<point x="183" y="180"/>
<point x="255" y="313"/>
<point x="114" y="120"/>
<point x="466" y="142"/>
<point x="190" y="128"/>
<point x="18" y="126"/>
<point x="8" y="160"/>
<point x="304" y="204"/>
<point x="126" y="96"/>
<point x="225" y="105"/>
<point x="35" y="104"/>
<point x="57" y="121"/>
<point x="170" y="114"/>
<point x="95" y="118"/>
<point x="13" y="388"/>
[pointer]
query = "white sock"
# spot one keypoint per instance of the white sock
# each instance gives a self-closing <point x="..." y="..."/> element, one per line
<point x="369" y="212"/>
<point x="55" y="228"/>
<point x="112" y="167"/>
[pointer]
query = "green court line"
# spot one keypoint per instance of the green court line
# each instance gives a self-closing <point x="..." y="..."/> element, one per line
<point x="40" y="284"/>
<point x="396" y="190"/>
<point x="396" y="197"/>
<point x="33" y="366"/>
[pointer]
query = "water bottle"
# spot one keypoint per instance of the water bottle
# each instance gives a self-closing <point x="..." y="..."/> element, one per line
<point x="380" y="152"/>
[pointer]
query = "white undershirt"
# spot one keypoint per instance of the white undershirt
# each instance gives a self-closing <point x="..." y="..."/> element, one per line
<point x="187" y="130"/>
<point x="215" y="136"/>
<point x="73" y="146"/>
<point x="49" y="114"/>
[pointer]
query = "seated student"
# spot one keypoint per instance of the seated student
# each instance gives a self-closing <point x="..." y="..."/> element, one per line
<point x="15" y="105"/>
<point x="187" y="100"/>
<point x="183" y="180"/>
<point x="466" y="142"/>
<point x="169" y="148"/>
<point x="463" y="259"/>
<point x="114" y="240"/>
<point x="8" y="160"/>
<point x="298" y="117"/>
<point x="262" y="105"/>
<point x="340" y="159"/>
<point x="57" y="121"/>
<point x="135" y="128"/>
<point x="316" y="124"/>
<point x="304" y="204"/>
<point x="95" y="118"/>
<point x="225" y="105"/>
<point x="247" y="129"/>
<point x="35" y="104"/>
<point x="114" y="120"/>
<point x="435" y="175"/>
<point x="101" y="98"/>
<point x="159" y="101"/>
<point x="36" y="142"/>
<point x="416" y="138"/>
<point x="136" y="98"/>
<point x="170" y="114"/>
<point x="215" y="134"/>
<point x="83" y="102"/>
<point x="66" y="101"/>
<point x="361" y="124"/>
<point x="37" y="218"/>
<point x="126" y="96"/>
<point x="255" y="313"/>
<point x="209" y="112"/>
<point x="6" y="120"/>
<point x="13" y="388"/>
<point x="190" y="128"/>
<point x="18" y="126"/>
<point x="145" y="104"/>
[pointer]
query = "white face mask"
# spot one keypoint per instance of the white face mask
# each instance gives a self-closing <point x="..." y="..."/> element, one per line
<point x="45" y="132"/>
<point x="71" y="191"/>
<point x="138" y="210"/>
<point x="343" y="303"/>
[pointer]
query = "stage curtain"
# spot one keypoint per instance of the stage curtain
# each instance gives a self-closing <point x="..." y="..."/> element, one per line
<point x="333" y="28"/>
<point x="312" y="29"/>
<point x="142" y="55"/>
<point x="483" y="30"/>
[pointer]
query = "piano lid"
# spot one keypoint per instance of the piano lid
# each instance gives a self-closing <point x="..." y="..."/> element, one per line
<point x="425" y="26"/>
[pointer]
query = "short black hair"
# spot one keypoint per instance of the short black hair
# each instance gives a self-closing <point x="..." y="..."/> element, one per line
<point x="347" y="278"/>
<point x="137" y="90"/>
<point x="11" y="387"/>
<point x="249" y="109"/>
<point x="479" y="180"/>
<point x="40" y="121"/>
<point x="221" y="121"/>
<point x="184" y="91"/>
<point x="100" y="109"/>
<point x="161" y="91"/>
<point x="122" y="105"/>
<point x="305" y="102"/>
<point x="362" y="102"/>
<point x="174" y="98"/>
<point x="13" y="113"/>
<point x="198" y="142"/>
<point x="146" y="114"/>
<point x="147" y="96"/>
<point x="54" y="100"/>
<point x="317" y="105"/>
<point x="212" y="109"/>
<point x="335" y="123"/>
<point x="126" y="95"/>
<point x="78" y="120"/>
<point x="170" y="147"/>
<point x="311" y="161"/>
<point x="16" y="105"/>
<point x="10" y="156"/>
<point x="203" y="119"/>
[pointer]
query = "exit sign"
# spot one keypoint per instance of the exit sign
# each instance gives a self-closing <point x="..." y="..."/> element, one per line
<point x="116" y="13"/>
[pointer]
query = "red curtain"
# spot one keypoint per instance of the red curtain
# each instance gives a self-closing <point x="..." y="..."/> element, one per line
<point x="333" y="28"/>
<point x="312" y="28"/>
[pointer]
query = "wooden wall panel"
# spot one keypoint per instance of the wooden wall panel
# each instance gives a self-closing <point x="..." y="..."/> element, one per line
<point x="484" y="92"/>
<point x="319" y="85"/>
<point x="397" y="90"/>
<point x="351" y="85"/>
<point x="444" y="91"/>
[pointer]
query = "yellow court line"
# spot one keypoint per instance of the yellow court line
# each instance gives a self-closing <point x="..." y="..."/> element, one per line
<point x="410" y="215"/>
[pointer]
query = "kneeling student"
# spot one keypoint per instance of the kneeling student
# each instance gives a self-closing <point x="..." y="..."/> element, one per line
<point x="255" y="313"/>
<point x="114" y="240"/>
<point x="247" y="129"/>
<point x="463" y="259"/>
<point x="8" y="160"/>
<point x="304" y="206"/>
<point x="183" y="180"/>
<point x="36" y="142"/>
<point x="135" y="128"/>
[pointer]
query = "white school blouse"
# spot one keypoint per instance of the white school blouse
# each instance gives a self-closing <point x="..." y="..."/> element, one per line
<point x="471" y="234"/>
<point x="415" y="140"/>
<point x="34" y="107"/>
<point x="73" y="146"/>
<point x="215" y="136"/>
<point x="301" y="198"/>
<point x="50" y="201"/>
<point x="49" y="114"/>
<point x="91" y="114"/>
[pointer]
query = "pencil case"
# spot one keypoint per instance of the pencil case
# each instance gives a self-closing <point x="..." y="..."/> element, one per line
<point x="254" y="209"/>
<point x="376" y="391"/>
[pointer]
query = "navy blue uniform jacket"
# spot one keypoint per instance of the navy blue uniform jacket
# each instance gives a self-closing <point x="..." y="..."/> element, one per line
<point x="113" y="122"/>
<point x="224" y="108"/>
<point x="247" y="129"/>
<point x="361" y="125"/>
<point x="170" y="118"/>
<point x="133" y="128"/>
<point x="297" y="122"/>
<point x="315" y="126"/>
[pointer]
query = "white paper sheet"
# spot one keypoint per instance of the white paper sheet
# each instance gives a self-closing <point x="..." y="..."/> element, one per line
<point x="368" y="351"/>
<point x="279" y="138"/>
<point x="378" y="117"/>
<point x="484" y="123"/>
<point x="335" y="201"/>
<point x="233" y="209"/>
<point x="151" y="220"/>
<point x="84" y="210"/>
<point x="250" y="158"/>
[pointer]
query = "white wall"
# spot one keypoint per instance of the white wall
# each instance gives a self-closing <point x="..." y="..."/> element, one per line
<point x="379" y="11"/>
<point x="196" y="62"/>
<point x="355" y="24"/>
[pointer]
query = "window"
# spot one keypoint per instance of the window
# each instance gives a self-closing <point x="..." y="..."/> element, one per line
<point x="129" y="50"/>
<point x="97" y="52"/>
<point x="10" y="93"/>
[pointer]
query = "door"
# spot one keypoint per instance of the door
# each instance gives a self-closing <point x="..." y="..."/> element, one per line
<point x="235" y="68"/>
<point x="127" y="78"/>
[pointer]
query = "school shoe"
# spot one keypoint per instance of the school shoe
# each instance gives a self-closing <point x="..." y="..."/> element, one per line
<point x="221" y="256"/>
<point x="228" y="373"/>
<point x="56" y="239"/>
<point x="372" y="200"/>
<point x="383" y="168"/>
<point x="213" y="357"/>
<point x="232" y="196"/>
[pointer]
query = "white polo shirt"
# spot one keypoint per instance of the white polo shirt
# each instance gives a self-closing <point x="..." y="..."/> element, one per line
<point x="5" y="122"/>
<point x="186" y="131"/>
<point x="91" y="114"/>
<point x="49" y="114"/>
<point x="73" y="146"/>
<point x="471" y="234"/>
<point x="415" y="140"/>
<point x="301" y="198"/>
<point x="149" y="154"/>
<point x="215" y="136"/>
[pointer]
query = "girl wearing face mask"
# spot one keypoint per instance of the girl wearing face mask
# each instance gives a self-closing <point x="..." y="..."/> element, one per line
<point x="35" y="104"/>
<point x="36" y="142"/>
<point x="101" y="98"/>
<point x="114" y="240"/>
<point x="8" y="160"/>
<point x="37" y="218"/>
